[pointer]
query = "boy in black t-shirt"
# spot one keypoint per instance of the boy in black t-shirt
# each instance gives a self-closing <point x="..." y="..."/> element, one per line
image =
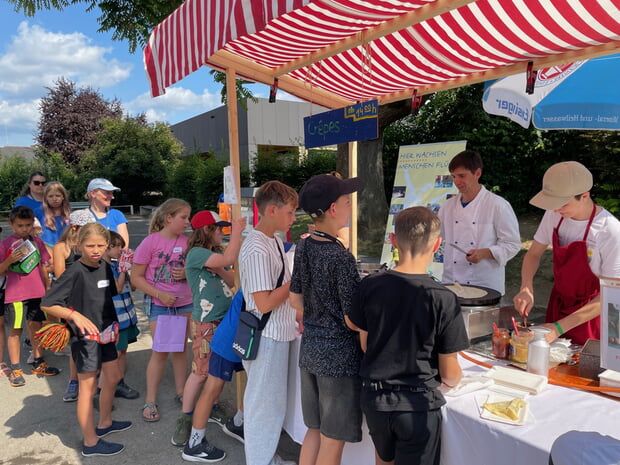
<point x="413" y="328"/>
<point x="324" y="279"/>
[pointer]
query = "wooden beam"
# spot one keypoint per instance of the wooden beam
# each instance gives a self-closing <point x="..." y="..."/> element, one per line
<point x="416" y="16"/>
<point x="497" y="73"/>
<point x="252" y="71"/>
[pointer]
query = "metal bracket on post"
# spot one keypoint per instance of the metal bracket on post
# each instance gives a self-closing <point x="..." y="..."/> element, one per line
<point x="273" y="90"/>
<point x="416" y="102"/>
<point x="530" y="77"/>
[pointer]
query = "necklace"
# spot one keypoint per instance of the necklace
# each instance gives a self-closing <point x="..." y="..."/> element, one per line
<point x="328" y="236"/>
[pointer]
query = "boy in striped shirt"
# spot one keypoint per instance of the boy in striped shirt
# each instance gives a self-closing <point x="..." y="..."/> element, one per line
<point x="261" y="262"/>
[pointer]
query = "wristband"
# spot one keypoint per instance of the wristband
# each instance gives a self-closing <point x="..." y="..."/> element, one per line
<point x="70" y="313"/>
<point x="558" y="327"/>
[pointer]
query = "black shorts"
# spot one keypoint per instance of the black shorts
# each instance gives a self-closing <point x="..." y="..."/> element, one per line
<point x="17" y="313"/>
<point x="408" y="438"/>
<point x="89" y="355"/>
<point x="332" y="405"/>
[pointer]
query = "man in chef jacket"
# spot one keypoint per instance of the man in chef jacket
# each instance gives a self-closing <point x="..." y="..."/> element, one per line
<point x="479" y="222"/>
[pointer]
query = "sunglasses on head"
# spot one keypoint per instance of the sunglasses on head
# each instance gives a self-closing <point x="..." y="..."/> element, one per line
<point x="39" y="183"/>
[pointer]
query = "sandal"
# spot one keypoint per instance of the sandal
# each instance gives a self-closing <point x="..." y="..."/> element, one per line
<point x="5" y="370"/>
<point x="153" y="414"/>
<point x="179" y="398"/>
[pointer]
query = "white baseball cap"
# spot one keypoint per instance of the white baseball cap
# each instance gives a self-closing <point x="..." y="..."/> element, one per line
<point x="101" y="183"/>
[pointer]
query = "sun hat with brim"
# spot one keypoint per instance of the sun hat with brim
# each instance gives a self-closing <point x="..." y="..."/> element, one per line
<point x="562" y="182"/>
<point x="207" y="217"/>
<point x="101" y="183"/>
<point x="81" y="217"/>
<point x="319" y="192"/>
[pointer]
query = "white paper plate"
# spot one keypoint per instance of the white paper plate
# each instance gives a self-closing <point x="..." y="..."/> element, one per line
<point x="525" y="417"/>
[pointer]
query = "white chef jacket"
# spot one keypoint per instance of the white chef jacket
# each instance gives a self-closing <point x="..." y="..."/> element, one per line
<point x="488" y="221"/>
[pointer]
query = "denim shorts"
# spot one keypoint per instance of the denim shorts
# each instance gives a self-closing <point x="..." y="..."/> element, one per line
<point x="156" y="310"/>
<point x="332" y="405"/>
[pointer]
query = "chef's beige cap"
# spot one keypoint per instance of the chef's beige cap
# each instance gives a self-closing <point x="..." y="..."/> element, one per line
<point x="561" y="183"/>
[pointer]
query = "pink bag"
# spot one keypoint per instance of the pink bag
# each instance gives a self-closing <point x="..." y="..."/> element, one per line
<point x="170" y="333"/>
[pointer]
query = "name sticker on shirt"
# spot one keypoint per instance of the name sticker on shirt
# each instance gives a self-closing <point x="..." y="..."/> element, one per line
<point x="177" y="250"/>
<point x="103" y="283"/>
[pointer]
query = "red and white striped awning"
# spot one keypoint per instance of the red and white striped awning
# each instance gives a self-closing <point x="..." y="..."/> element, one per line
<point x="338" y="52"/>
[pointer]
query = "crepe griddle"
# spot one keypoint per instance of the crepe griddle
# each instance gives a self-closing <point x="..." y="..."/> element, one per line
<point x="492" y="297"/>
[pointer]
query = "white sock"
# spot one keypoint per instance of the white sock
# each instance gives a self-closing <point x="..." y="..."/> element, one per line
<point x="196" y="437"/>
<point x="238" y="418"/>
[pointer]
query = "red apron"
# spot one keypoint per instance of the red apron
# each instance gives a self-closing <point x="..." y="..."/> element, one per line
<point x="574" y="285"/>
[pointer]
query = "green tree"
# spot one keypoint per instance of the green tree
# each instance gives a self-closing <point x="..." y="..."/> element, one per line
<point x="198" y="179"/>
<point x="71" y="117"/>
<point x="136" y="156"/>
<point x="14" y="172"/>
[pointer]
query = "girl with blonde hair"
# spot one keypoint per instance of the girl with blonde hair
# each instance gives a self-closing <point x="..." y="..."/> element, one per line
<point x="53" y="215"/>
<point x="158" y="271"/>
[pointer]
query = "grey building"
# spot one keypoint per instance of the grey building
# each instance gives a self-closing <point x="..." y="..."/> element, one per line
<point x="26" y="153"/>
<point x="264" y="127"/>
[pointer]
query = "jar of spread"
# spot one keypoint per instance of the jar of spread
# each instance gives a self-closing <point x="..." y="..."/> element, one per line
<point x="518" y="345"/>
<point x="500" y="343"/>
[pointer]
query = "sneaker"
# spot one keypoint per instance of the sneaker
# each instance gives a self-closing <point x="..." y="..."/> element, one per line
<point x="233" y="431"/>
<point x="43" y="369"/>
<point x="16" y="378"/>
<point x="182" y="430"/>
<point x="115" y="427"/>
<point x="217" y="416"/>
<point x="125" y="391"/>
<point x="73" y="389"/>
<point x="102" y="448"/>
<point x="203" y="452"/>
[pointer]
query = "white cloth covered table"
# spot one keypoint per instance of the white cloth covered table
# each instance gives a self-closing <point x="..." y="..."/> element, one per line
<point x="468" y="439"/>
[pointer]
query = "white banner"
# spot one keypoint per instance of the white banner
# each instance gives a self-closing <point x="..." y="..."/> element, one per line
<point x="422" y="178"/>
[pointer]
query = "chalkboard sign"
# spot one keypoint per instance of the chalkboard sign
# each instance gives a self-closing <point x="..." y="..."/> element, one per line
<point x="355" y="122"/>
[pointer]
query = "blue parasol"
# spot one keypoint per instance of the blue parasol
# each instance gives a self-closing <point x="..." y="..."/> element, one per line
<point x="579" y="95"/>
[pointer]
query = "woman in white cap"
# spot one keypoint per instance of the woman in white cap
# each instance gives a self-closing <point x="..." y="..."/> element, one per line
<point x="586" y="246"/>
<point x="100" y="193"/>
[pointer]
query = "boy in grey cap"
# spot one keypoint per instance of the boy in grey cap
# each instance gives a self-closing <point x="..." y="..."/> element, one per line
<point x="586" y="246"/>
<point x="324" y="279"/>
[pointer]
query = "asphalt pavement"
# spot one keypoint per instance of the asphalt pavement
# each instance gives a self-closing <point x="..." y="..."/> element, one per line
<point x="37" y="427"/>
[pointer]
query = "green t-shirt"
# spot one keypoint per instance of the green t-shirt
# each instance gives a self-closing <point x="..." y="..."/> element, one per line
<point x="211" y="295"/>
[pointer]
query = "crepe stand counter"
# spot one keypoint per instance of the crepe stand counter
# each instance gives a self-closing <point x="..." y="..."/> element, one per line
<point x="468" y="438"/>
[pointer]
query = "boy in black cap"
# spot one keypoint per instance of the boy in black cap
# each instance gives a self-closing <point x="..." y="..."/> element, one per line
<point x="324" y="279"/>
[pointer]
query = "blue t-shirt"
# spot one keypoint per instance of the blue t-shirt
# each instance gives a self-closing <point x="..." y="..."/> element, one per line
<point x="225" y="333"/>
<point x="111" y="220"/>
<point x="49" y="236"/>
<point x="28" y="201"/>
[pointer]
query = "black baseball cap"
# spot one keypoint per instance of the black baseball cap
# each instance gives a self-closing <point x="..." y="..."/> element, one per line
<point x="319" y="192"/>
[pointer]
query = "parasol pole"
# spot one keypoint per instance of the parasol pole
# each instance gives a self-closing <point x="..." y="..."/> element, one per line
<point x="233" y="147"/>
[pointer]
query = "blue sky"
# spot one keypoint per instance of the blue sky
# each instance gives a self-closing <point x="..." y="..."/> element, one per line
<point x="35" y="52"/>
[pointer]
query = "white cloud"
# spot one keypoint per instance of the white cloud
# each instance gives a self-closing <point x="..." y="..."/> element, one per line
<point x="36" y="58"/>
<point x="174" y="106"/>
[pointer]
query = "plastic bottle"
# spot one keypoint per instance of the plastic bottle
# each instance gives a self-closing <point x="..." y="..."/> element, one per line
<point x="538" y="352"/>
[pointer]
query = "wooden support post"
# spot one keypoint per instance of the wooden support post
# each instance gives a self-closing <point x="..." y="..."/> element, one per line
<point x="352" y="174"/>
<point x="233" y="144"/>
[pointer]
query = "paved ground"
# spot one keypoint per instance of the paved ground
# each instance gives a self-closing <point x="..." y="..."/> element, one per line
<point x="37" y="427"/>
